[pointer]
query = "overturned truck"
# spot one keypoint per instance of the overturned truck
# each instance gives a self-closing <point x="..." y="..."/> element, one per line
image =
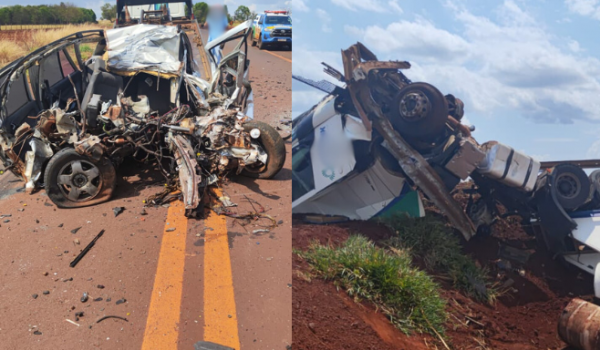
<point x="68" y="122"/>
<point x="377" y="137"/>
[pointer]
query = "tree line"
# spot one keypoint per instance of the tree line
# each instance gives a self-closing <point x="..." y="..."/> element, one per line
<point x="65" y="13"/>
<point x="242" y="13"/>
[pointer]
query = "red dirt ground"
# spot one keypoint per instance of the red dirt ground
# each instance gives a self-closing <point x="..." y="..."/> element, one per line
<point x="525" y="317"/>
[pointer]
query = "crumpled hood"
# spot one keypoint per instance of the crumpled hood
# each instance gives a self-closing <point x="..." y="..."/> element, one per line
<point x="144" y="47"/>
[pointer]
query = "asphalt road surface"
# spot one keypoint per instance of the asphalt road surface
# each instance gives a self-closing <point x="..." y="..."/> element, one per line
<point x="177" y="281"/>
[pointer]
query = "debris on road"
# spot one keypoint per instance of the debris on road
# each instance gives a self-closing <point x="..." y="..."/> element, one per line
<point x="74" y="231"/>
<point x="121" y="301"/>
<point x="118" y="210"/>
<point x="111" y="316"/>
<point x="84" y="298"/>
<point x="72" y="322"/>
<point x="140" y="99"/>
<point x="86" y="249"/>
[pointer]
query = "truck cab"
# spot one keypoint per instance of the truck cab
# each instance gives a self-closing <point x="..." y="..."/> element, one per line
<point x="272" y="28"/>
<point x="130" y="12"/>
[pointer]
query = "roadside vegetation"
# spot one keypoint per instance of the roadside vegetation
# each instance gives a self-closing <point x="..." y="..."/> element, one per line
<point x="64" y="13"/>
<point x="386" y="277"/>
<point x="433" y="243"/>
<point x="18" y="43"/>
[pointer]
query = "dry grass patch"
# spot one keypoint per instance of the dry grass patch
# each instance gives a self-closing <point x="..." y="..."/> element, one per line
<point x="16" y="44"/>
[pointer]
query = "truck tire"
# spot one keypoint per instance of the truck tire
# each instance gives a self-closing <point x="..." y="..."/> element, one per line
<point x="261" y="45"/>
<point x="74" y="181"/>
<point x="572" y="186"/>
<point x="419" y="111"/>
<point x="273" y="144"/>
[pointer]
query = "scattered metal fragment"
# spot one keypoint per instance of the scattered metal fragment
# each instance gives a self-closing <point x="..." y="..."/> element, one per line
<point x="118" y="210"/>
<point x="227" y="202"/>
<point x="264" y="230"/>
<point x="5" y="216"/>
<point x="74" y="231"/>
<point x="46" y="292"/>
<point x="71" y="322"/>
<point x="121" y="301"/>
<point x="60" y="225"/>
<point x="34" y="296"/>
<point x="76" y="241"/>
<point x="86" y="249"/>
<point x="111" y="316"/>
<point x="37" y="333"/>
<point x="84" y="298"/>
<point x="98" y="299"/>
<point x="100" y="286"/>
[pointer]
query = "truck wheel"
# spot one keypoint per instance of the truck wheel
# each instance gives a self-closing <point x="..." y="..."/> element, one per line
<point x="75" y="181"/>
<point x="273" y="144"/>
<point x="261" y="45"/>
<point x="419" y="111"/>
<point x="571" y="185"/>
<point x="253" y="42"/>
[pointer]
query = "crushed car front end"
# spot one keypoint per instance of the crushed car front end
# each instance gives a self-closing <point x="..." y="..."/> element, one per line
<point x="67" y="123"/>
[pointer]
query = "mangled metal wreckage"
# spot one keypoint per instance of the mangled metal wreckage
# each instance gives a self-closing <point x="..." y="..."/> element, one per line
<point x="67" y="123"/>
<point x="365" y="149"/>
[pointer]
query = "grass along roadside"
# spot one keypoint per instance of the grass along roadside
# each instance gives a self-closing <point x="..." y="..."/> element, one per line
<point x="16" y="44"/>
<point x="430" y="240"/>
<point x="385" y="277"/>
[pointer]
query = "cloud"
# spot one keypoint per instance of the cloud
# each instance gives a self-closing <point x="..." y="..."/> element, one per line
<point x="421" y="38"/>
<point x="325" y="20"/>
<point x="311" y="62"/>
<point x="393" y="4"/>
<point x="588" y="8"/>
<point x="300" y="5"/>
<point x="355" y="5"/>
<point x="508" y="62"/>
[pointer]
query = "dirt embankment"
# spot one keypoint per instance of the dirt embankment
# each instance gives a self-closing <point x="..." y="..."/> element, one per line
<point x="525" y="317"/>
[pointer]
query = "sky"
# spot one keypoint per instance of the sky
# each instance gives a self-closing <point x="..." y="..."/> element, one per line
<point x="527" y="71"/>
<point x="253" y="5"/>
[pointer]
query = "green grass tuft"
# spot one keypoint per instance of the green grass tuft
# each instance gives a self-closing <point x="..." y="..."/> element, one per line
<point x="432" y="241"/>
<point x="408" y="296"/>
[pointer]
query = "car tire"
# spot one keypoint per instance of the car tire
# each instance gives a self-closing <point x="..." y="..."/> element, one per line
<point x="425" y="125"/>
<point x="571" y="185"/>
<point x="73" y="181"/>
<point x="253" y="42"/>
<point x="261" y="45"/>
<point x="273" y="144"/>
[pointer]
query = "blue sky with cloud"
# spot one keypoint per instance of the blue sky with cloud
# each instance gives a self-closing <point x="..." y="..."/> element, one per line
<point x="528" y="71"/>
<point x="253" y="5"/>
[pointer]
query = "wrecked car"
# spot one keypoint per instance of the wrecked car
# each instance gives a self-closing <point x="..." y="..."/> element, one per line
<point x="68" y="123"/>
<point x="376" y="137"/>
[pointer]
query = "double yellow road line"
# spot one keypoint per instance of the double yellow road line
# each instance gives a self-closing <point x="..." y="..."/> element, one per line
<point x="220" y="317"/>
